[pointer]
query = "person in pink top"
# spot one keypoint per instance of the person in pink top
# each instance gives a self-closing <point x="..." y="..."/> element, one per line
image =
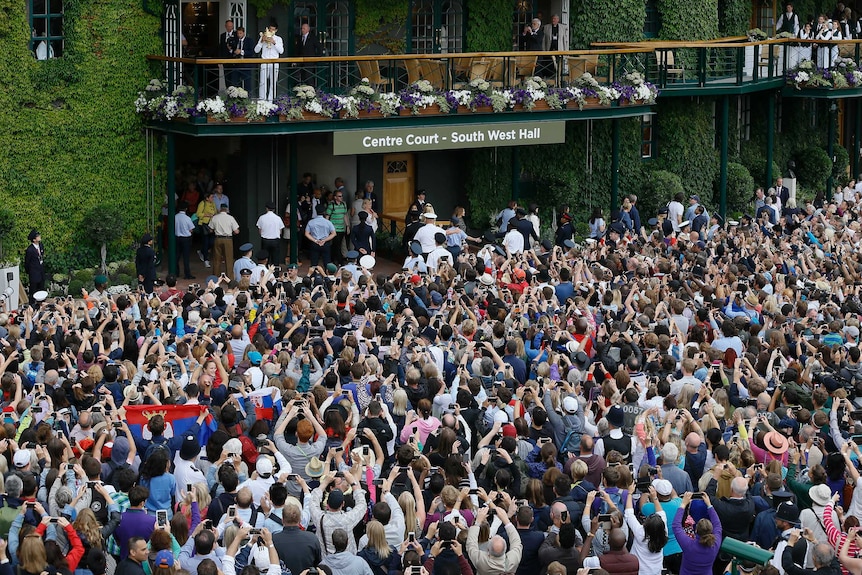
<point x="420" y="422"/>
<point x="775" y="443"/>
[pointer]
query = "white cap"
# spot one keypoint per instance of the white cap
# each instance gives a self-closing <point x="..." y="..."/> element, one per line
<point x="570" y="404"/>
<point x="263" y="465"/>
<point x="501" y="416"/>
<point x="21" y="458"/>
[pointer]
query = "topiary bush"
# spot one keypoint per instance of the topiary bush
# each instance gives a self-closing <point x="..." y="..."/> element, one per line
<point x="841" y="165"/>
<point x="740" y="186"/>
<point x="103" y="225"/>
<point x="812" y="167"/>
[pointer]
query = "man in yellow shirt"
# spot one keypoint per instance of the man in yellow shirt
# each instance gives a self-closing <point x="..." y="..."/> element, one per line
<point x="205" y="212"/>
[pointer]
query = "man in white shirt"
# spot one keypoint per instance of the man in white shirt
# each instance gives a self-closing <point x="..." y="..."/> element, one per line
<point x="258" y="271"/>
<point x="184" y="227"/>
<point x="513" y="241"/>
<point x="439" y="253"/>
<point x="185" y="471"/>
<point x="425" y="234"/>
<point x="675" y="211"/>
<point x="270" y="226"/>
<point x="270" y="46"/>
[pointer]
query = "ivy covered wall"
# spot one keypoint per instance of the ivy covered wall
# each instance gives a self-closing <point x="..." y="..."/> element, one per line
<point x="606" y="21"/>
<point x="686" y="132"/>
<point x="71" y="138"/>
<point x="688" y="19"/>
<point x="734" y="17"/>
<point x="489" y="25"/>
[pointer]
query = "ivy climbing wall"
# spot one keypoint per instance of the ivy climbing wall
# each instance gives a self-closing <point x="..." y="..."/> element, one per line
<point x="71" y="138"/>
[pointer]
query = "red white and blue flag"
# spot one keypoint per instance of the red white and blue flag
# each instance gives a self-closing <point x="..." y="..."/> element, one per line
<point x="178" y="419"/>
<point x="265" y="407"/>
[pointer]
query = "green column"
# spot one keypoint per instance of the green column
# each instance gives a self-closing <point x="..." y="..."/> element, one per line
<point x="722" y="184"/>
<point x="516" y="173"/>
<point x="770" y="138"/>
<point x="615" y="165"/>
<point x="173" y="268"/>
<point x="854" y="153"/>
<point x="294" y="201"/>
<point x="830" y="146"/>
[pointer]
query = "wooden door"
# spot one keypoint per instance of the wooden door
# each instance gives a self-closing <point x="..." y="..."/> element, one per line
<point x="398" y="185"/>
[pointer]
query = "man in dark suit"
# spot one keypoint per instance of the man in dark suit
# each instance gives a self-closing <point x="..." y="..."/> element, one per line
<point x="781" y="192"/>
<point x="532" y="37"/>
<point x="243" y="48"/>
<point x="145" y="263"/>
<point x="362" y="236"/>
<point x="226" y="42"/>
<point x="34" y="258"/>
<point x="307" y="46"/>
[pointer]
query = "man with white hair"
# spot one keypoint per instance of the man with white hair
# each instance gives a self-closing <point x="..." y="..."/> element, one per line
<point x="670" y="470"/>
<point x="737" y="511"/>
<point x="495" y="560"/>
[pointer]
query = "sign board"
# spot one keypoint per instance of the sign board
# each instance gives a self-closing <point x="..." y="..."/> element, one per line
<point x="458" y="137"/>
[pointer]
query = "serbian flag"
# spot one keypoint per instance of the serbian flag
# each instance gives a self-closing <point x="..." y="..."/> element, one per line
<point x="178" y="419"/>
<point x="265" y="406"/>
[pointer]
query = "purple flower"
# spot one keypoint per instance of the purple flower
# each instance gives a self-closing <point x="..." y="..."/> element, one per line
<point x="481" y="100"/>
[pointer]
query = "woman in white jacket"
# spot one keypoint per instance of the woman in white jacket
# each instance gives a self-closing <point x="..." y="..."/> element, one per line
<point x="649" y="539"/>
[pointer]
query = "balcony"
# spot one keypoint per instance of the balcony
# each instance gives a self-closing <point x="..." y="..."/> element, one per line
<point x="295" y="95"/>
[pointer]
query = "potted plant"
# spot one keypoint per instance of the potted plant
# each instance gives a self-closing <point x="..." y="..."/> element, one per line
<point x="634" y="89"/>
<point x="419" y="98"/>
<point x="104" y="224"/>
<point x="214" y="109"/>
<point x="237" y="103"/>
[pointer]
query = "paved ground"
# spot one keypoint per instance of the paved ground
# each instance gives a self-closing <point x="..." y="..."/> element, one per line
<point x="201" y="273"/>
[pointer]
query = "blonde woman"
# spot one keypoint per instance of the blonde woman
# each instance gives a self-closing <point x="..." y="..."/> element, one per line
<point x="414" y="516"/>
<point x="378" y="550"/>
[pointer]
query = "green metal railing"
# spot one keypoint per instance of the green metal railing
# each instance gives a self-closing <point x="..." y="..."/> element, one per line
<point x="675" y="67"/>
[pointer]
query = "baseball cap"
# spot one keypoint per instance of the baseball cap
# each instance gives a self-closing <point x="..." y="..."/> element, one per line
<point x="21" y="458"/>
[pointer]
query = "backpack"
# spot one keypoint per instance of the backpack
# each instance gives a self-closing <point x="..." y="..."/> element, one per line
<point x="7" y="516"/>
<point x="153" y="446"/>
<point x="618" y="498"/>
<point x="571" y="444"/>
<point x="32" y="372"/>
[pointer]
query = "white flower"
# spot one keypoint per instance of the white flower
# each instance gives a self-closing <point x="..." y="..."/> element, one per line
<point x="365" y="81"/>
<point x="304" y="92"/>
<point x="265" y="108"/>
<point x="141" y="103"/>
<point x="181" y="90"/>
<point x="154" y="86"/>
<point x="212" y="106"/>
<point x="642" y="92"/>
<point x="801" y="77"/>
<point x="314" y="107"/>
<point x="423" y="86"/>
<point x="236" y="92"/>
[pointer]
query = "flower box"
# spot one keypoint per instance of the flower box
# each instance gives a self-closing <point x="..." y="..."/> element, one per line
<point x="370" y="114"/>
<point x="540" y="105"/>
<point x="592" y="102"/>
<point x="306" y="115"/>
<point x="429" y="110"/>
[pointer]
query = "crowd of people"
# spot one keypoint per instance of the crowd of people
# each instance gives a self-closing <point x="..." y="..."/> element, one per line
<point x="622" y="404"/>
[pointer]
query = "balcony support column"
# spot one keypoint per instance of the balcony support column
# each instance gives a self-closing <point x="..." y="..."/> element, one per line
<point x="770" y="138"/>
<point x="516" y="173"/>
<point x="830" y="146"/>
<point x="854" y="153"/>
<point x="173" y="265"/>
<point x="294" y="200"/>
<point x="615" y="165"/>
<point x="722" y="182"/>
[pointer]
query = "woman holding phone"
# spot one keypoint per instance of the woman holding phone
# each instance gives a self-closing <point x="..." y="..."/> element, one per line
<point x="698" y="553"/>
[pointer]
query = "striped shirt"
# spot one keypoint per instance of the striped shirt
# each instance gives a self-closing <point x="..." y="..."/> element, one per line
<point x="336" y="212"/>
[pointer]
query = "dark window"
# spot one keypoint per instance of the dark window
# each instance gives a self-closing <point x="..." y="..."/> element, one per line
<point x="46" y="28"/>
<point x="648" y="143"/>
<point x="652" y="24"/>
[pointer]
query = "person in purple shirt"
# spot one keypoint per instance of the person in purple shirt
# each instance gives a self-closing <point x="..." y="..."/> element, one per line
<point x="698" y="554"/>
<point x="134" y="522"/>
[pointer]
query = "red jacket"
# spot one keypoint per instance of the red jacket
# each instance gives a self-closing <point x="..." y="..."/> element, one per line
<point x="76" y="552"/>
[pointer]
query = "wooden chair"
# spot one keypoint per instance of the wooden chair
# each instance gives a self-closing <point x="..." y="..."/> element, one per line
<point x="580" y="65"/>
<point x="671" y="68"/>
<point x="371" y="69"/>
<point x="462" y="67"/>
<point x="521" y="67"/>
<point x="414" y="74"/>
<point x="436" y="72"/>
<point x="495" y="71"/>
<point x="763" y="60"/>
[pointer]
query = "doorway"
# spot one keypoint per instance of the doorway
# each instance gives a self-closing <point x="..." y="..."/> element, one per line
<point x="399" y="184"/>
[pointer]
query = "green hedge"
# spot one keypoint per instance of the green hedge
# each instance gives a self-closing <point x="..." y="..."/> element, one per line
<point x="734" y="17"/>
<point x="687" y="138"/>
<point x="489" y="183"/>
<point x="72" y="137"/>
<point x="740" y="186"/>
<point x="606" y="21"/>
<point x="489" y="25"/>
<point x="688" y="19"/>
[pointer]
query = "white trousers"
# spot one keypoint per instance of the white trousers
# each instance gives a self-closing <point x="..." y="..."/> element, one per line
<point x="268" y="81"/>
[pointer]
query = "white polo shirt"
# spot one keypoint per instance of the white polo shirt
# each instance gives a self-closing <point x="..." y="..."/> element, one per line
<point x="270" y="226"/>
<point x="425" y="237"/>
